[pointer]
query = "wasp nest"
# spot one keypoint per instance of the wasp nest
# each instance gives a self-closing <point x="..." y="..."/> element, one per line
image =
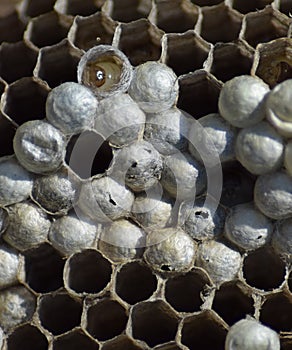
<point x="145" y="175"/>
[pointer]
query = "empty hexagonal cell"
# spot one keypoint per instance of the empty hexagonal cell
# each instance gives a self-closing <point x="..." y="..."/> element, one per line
<point x="127" y="10"/>
<point x="140" y="41"/>
<point x="185" y="52"/>
<point x="265" y="25"/>
<point x="223" y="17"/>
<point x="11" y="28"/>
<point x="203" y="331"/>
<point x="199" y="93"/>
<point x="25" y="100"/>
<point x="47" y="29"/>
<point x="87" y="272"/>
<point x="7" y="132"/>
<point x="88" y="154"/>
<point x="231" y="60"/>
<point x="58" y="63"/>
<point x="135" y="282"/>
<point x="184" y="292"/>
<point x="245" y="6"/>
<point x="96" y="29"/>
<point x="233" y="302"/>
<point x="255" y="269"/>
<point x="121" y="342"/>
<point x="174" y="16"/>
<point x="59" y="313"/>
<point x="77" y="7"/>
<point x="44" y="269"/>
<point x="31" y="8"/>
<point x="154" y="322"/>
<point x="17" y="60"/>
<point x="106" y="319"/>
<point x="276" y="312"/>
<point x="238" y="185"/>
<point x="75" y="340"/>
<point x="27" y="337"/>
<point x="272" y="61"/>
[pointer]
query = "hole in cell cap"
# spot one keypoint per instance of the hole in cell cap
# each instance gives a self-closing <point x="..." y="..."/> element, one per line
<point x="135" y="282"/>
<point x="232" y="303"/>
<point x="184" y="292"/>
<point x="27" y="337"/>
<point x="154" y="322"/>
<point x="59" y="313"/>
<point x="276" y="312"/>
<point x="106" y="319"/>
<point x="88" y="272"/>
<point x="75" y="340"/>
<point x="203" y="331"/>
<point x="255" y="269"/>
<point x="88" y="154"/>
<point x="44" y="269"/>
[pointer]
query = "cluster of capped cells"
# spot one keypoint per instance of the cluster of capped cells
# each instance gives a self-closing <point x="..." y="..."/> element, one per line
<point x="146" y="175"/>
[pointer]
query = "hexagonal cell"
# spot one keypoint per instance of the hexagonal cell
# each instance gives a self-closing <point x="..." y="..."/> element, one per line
<point x="265" y="25"/>
<point x="199" y="93"/>
<point x="17" y="60"/>
<point x="272" y="61"/>
<point x="245" y="6"/>
<point x="96" y="29"/>
<point x="77" y="7"/>
<point x="276" y="312"/>
<point x="75" y="340"/>
<point x="140" y="41"/>
<point x="135" y="282"/>
<point x="87" y="272"/>
<point x="238" y="185"/>
<point x="203" y="331"/>
<point x="25" y="100"/>
<point x="7" y="132"/>
<point x="47" y="29"/>
<point x="233" y="302"/>
<point x="59" y="313"/>
<point x="44" y="269"/>
<point x="106" y="319"/>
<point x="58" y="63"/>
<point x="88" y="154"/>
<point x="11" y="28"/>
<point x="176" y="16"/>
<point x="184" y="292"/>
<point x="255" y="271"/>
<point x="231" y="60"/>
<point x="185" y="52"/>
<point x="27" y="337"/>
<point x="121" y="342"/>
<point x="31" y="8"/>
<point x="223" y="17"/>
<point x="127" y="10"/>
<point x="285" y="7"/>
<point x="154" y="322"/>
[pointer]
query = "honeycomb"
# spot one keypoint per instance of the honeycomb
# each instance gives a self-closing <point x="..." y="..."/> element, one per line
<point x="85" y="300"/>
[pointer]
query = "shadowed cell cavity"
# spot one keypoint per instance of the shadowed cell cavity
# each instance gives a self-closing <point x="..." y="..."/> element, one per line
<point x="27" y="337"/>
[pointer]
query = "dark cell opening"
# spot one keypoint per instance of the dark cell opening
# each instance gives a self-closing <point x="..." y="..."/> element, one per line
<point x="59" y="313"/>
<point x="203" y="332"/>
<point x="27" y="337"/>
<point x="44" y="269"/>
<point x="106" y="319"/>
<point x="11" y="28"/>
<point x="130" y="10"/>
<point x="88" y="154"/>
<point x="36" y="8"/>
<point x="258" y="263"/>
<point x="245" y="6"/>
<point x="75" y="341"/>
<point x="121" y="343"/>
<point x="154" y="322"/>
<point x="135" y="282"/>
<point x="89" y="272"/>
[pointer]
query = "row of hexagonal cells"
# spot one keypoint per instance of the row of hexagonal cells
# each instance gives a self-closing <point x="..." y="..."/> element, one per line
<point x="111" y="305"/>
